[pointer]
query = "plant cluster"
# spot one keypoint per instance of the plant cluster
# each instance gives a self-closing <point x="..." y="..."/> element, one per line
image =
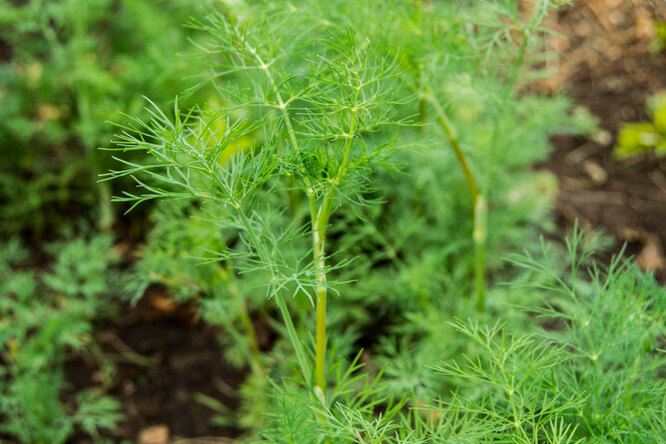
<point x="66" y="66"/>
<point x="586" y="371"/>
<point x="351" y="175"/>
<point x="383" y="165"/>
<point x="45" y="316"/>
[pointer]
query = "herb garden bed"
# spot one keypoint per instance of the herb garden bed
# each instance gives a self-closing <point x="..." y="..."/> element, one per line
<point x="340" y="227"/>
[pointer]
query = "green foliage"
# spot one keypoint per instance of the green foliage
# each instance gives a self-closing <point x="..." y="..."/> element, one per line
<point x="312" y="118"/>
<point x="315" y="139"/>
<point x="596" y="377"/>
<point x="658" y="44"/>
<point x="324" y="148"/>
<point x="44" y="315"/>
<point x="644" y="137"/>
<point x="181" y="254"/>
<point x="70" y="65"/>
<point x="611" y="329"/>
<point x="294" y="180"/>
<point x="511" y="386"/>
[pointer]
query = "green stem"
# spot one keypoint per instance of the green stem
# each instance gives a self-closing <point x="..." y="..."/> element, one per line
<point x="479" y="278"/>
<point x="319" y="220"/>
<point x="480" y="233"/>
<point x="478" y="202"/>
<point x="293" y="337"/>
<point x="452" y="135"/>
<point x="282" y="106"/>
<point x="319" y="254"/>
<point x="350" y="135"/>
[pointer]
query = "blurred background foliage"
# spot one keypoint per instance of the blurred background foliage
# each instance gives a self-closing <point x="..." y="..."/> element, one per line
<point x="67" y="67"/>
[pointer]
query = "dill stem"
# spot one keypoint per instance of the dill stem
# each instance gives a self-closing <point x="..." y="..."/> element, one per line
<point x="282" y="105"/>
<point x="293" y="336"/>
<point x="452" y="135"/>
<point x="319" y="253"/>
<point x="479" y="276"/>
<point x="479" y="259"/>
<point x="350" y="135"/>
<point x="478" y="203"/>
<point x="320" y="223"/>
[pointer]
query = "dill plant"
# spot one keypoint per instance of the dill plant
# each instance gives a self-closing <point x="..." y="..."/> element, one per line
<point x="311" y="121"/>
<point x="611" y="322"/>
<point x="492" y="57"/>
<point x="467" y="66"/>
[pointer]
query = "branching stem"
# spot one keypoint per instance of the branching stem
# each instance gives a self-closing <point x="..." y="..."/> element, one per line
<point x="319" y="220"/>
<point x="319" y="252"/>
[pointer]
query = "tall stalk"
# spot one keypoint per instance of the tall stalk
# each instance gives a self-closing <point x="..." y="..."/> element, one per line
<point x="319" y="253"/>
<point x="320" y="216"/>
<point x="478" y="201"/>
<point x="319" y="220"/>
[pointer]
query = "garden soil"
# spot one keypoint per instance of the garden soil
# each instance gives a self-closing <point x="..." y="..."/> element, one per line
<point x="164" y="359"/>
<point x="606" y="65"/>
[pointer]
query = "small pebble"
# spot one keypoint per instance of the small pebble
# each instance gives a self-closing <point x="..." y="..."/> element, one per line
<point x="157" y="434"/>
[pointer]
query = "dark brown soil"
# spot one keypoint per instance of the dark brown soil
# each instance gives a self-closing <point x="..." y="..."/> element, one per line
<point x="607" y="66"/>
<point x="162" y="361"/>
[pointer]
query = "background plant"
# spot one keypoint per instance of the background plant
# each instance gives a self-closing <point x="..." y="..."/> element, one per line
<point x="69" y="65"/>
<point x="644" y="137"/>
<point x="45" y="316"/>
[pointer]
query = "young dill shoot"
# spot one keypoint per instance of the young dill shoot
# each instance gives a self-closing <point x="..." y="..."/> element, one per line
<point x="319" y="128"/>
